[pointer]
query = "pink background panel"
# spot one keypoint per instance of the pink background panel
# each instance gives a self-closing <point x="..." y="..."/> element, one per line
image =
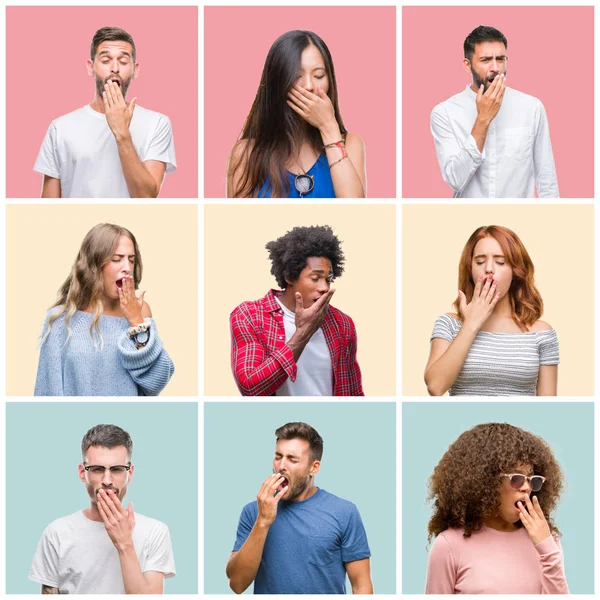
<point x="362" y="41"/>
<point x="47" y="49"/>
<point x="551" y="56"/>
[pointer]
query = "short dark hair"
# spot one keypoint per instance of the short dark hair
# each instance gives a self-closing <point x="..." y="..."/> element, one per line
<point x="288" y="253"/>
<point x="480" y="34"/>
<point x="110" y="34"/>
<point x="302" y="431"/>
<point x="106" y="436"/>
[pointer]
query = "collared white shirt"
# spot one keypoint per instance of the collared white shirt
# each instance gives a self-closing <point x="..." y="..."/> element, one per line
<point x="517" y="156"/>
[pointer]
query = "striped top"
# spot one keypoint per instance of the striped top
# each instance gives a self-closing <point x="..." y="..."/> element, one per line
<point x="500" y="364"/>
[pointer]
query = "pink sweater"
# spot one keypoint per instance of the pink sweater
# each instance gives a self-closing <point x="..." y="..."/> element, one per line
<point x="494" y="562"/>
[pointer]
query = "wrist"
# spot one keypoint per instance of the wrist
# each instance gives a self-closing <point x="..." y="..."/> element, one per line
<point x="483" y="122"/>
<point x="124" y="547"/>
<point x="135" y="321"/>
<point x="263" y="524"/>
<point x="330" y="133"/>
<point x="123" y="138"/>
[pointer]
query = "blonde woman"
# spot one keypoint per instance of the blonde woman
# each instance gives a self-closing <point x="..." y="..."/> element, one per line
<point x="99" y="337"/>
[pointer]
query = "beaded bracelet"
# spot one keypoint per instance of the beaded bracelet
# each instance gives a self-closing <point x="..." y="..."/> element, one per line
<point x="337" y="161"/>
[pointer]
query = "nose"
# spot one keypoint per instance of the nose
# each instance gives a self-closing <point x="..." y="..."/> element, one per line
<point x="107" y="478"/>
<point x="306" y="81"/>
<point x="323" y="286"/>
<point x="114" y="66"/>
<point x="489" y="267"/>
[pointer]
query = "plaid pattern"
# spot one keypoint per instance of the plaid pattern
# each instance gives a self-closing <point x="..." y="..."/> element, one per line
<point x="261" y="361"/>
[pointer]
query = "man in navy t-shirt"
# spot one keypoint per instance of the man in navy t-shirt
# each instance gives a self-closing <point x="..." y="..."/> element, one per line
<point x="297" y="538"/>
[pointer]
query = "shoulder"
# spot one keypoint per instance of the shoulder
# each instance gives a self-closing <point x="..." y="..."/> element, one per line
<point x="240" y="148"/>
<point x="342" y="319"/>
<point x="523" y="98"/>
<point x="440" y="109"/>
<point x="149" y="525"/>
<point x="62" y="525"/>
<point x="353" y="140"/>
<point x="151" y="116"/>
<point x="72" y="118"/>
<point x="340" y="505"/>
<point x="245" y="309"/>
<point x="541" y="326"/>
<point x="448" y="541"/>
<point x="250" y="509"/>
<point x="451" y="320"/>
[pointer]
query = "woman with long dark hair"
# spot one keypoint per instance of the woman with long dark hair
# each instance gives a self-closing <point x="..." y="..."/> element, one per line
<point x="495" y="492"/>
<point x="294" y="143"/>
<point x="495" y="343"/>
<point x="99" y="336"/>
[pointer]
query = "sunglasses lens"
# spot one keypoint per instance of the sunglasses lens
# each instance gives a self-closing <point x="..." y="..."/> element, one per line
<point x="537" y="481"/>
<point x="304" y="184"/>
<point x="517" y="481"/>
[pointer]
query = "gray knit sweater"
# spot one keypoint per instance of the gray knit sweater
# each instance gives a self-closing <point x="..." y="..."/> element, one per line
<point x="80" y="368"/>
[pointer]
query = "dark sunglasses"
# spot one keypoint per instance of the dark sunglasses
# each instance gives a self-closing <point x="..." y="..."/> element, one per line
<point x="517" y="480"/>
<point x="304" y="184"/>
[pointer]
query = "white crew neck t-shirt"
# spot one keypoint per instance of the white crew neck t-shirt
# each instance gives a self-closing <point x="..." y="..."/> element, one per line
<point x="315" y="373"/>
<point x="81" y="151"/>
<point x="76" y="555"/>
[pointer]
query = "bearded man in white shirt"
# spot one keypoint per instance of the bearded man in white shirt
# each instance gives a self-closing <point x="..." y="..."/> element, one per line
<point x="110" y="148"/>
<point x="491" y="140"/>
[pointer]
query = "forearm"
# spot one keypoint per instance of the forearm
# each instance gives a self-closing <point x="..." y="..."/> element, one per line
<point x="480" y="131"/>
<point x="140" y="182"/>
<point x="551" y="562"/>
<point x="344" y="176"/>
<point x="133" y="578"/>
<point x="243" y="565"/>
<point x="440" y="375"/>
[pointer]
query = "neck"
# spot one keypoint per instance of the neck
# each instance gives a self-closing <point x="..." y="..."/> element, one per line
<point x="500" y="524"/>
<point x="503" y="308"/>
<point x="97" y="104"/>
<point x="311" y="489"/>
<point x="288" y="299"/>
<point x="92" y="513"/>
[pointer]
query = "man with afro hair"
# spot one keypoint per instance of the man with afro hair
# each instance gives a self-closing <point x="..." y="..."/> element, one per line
<point x="293" y="342"/>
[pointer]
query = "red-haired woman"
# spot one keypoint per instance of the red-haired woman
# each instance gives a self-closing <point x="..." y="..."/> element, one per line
<point x="495" y="344"/>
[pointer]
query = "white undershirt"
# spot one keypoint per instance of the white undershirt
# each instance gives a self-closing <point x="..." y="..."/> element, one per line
<point x="315" y="375"/>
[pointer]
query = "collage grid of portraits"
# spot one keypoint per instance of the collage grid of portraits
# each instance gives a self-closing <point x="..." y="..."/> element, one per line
<point x="262" y="414"/>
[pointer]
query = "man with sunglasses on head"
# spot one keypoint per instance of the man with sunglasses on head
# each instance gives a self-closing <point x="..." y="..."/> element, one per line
<point x="292" y="342"/>
<point x="106" y="548"/>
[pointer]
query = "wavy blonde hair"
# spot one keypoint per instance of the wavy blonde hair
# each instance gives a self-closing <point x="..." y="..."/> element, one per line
<point x="525" y="300"/>
<point x="84" y="287"/>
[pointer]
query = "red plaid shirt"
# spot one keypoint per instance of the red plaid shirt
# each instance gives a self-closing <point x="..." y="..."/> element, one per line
<point x="261" y="360"/>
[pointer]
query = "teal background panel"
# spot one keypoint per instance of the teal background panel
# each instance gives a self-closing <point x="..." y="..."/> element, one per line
<point x="43" y="450"/>
<point x="359" y="464"/>
<point x="428" y="429"/>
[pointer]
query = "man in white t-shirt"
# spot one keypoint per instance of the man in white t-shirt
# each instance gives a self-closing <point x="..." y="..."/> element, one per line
<point x="104" y="549"/>
<point x="110" y="148"/>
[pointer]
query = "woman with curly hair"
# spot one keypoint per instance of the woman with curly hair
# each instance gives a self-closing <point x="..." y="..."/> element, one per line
<point x="294" y="143"/>
<point x="99" y="336"/>
<point x="495" y="344"/>
<point x="293" y="342"/>
<point x="494" y="493"/>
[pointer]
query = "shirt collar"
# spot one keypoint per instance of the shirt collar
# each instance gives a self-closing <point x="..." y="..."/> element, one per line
<point x="269" y="303"/>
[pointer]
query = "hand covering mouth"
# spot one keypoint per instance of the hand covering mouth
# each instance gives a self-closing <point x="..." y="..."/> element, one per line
<point x="522" y="500"/>
<point x="117" y="80"/>
<point x="285" y="482"/>
<point x="119" y="282"/>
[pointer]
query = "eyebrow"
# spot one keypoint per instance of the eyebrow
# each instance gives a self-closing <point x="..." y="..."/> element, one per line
<point x="288" y="455"/>
<point x="123" y="52"/>
<point x="485" y="256"/>
<point x="491" y="56"/>
<point x="319" y="69"/>
<point x="121" y="255"/>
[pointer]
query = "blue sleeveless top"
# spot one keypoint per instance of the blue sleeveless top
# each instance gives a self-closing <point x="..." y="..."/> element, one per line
<point x="323" y="187"/>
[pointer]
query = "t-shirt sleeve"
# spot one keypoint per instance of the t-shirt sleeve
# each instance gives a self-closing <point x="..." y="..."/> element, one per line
<point x="44" y="569"/>
<point x="159" y="556"/>
<point x="441" y="568"/>
<point x="354" y="539"/>
<point x="47" y="161"/>
<point x="162" y="147"/>
<point x="442" y="328"/>
<point x="245" y="525"/>
<point x="549" y="348"/>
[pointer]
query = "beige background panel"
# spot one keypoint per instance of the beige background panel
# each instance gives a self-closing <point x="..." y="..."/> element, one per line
<point x="41" y="245"/>
<point x="560" y="241"/>
<point x="237" y="268"/>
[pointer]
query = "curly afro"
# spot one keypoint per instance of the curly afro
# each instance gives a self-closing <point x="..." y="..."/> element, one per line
<point x="465" y="485"/>
<point x="288" y="253"/>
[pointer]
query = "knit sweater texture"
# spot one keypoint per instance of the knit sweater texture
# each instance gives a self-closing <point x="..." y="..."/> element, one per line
<point x="82" y="366"/>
